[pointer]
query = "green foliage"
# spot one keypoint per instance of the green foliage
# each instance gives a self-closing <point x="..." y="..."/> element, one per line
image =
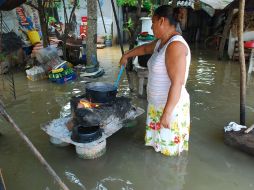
<point x="146" y="4"/>
<point x="127" y="2"/>
<point x="2" y="57"/>
<point x="71" y="4"/>
<point x="130" y="23"/>
<point x="51" y="20"/>
<point x="128" y="26"/>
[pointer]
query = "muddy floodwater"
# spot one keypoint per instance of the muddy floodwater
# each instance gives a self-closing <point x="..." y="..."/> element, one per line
<point x="128" y="164"/>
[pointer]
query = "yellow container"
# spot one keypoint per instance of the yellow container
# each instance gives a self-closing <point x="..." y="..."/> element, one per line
<point x="33" y="36"/>
<point x="57" y="70"/>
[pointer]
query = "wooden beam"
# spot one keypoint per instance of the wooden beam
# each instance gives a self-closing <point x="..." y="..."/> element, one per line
<point x="34" y="150"/>
<point x="2" y="184"/>
<point x="242" y="62"/>
<point x="249" y="129"/>
<point x="225" y="33"/>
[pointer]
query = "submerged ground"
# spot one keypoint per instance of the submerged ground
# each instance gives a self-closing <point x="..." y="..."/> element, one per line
<point x="128" y="164"/>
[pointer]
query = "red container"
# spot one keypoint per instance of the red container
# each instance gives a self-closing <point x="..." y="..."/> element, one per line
<point x="84" y="18"/>
<point x="249" y="44"/>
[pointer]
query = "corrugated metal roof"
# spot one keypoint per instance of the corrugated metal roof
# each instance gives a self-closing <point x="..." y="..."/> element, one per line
<point x="217" y="4"/>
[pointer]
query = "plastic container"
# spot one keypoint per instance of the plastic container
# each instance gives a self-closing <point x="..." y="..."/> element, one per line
<point x="65" y="79"/>
<point x="146" y="25"/>
<point x="36" y="77"/>
<point x="33" y="36"/>
<point x="249" y="44"/>
<point x="36" y="73"/>
<point x="49" y="56"/>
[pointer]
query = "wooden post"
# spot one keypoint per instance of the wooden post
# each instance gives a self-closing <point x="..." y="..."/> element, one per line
<point x="242" y="62"/>
<point x="225" y="33"/>
<point x="43" y="22"/>
<point x="91" y="43"/>
<point x="32" y="147"/>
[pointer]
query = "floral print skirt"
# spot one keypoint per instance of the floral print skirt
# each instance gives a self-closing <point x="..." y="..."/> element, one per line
<point x="173" y="140"/>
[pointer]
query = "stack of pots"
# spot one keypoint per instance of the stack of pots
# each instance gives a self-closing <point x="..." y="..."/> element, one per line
<point x="86" y="124"/>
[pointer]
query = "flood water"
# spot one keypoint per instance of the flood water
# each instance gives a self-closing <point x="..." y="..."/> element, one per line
<point x="128" y="164"/>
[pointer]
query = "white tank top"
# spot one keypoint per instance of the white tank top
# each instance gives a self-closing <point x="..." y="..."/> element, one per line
<point x="158" y="79"/>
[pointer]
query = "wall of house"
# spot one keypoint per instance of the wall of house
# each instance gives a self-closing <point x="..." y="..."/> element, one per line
<point x="11" y="20"/>
<point x="82" y="11"/>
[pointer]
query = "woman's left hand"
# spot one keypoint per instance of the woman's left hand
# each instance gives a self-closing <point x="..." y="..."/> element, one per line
<point x="165" y="120"/>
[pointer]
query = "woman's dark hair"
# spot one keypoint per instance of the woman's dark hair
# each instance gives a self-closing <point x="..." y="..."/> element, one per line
<point x="168" y="12"/>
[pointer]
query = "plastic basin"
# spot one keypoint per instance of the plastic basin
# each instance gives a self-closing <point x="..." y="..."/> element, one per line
<point x="249" y="44"/>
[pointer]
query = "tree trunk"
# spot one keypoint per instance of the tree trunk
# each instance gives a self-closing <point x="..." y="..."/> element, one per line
<point x="44" y="25"/>
<point x="91" y="40"/>
<point x="134" y="30"/>
<point x="242" y="62"/>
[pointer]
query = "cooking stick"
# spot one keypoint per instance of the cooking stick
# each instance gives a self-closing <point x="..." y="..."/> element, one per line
<point x="121" y="43"/>
<point x="119" y="76"/>
<point x="32" y="147"/>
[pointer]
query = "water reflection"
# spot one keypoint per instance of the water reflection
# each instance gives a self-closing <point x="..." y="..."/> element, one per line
<point x="205" y="72"/>
<point x="114" y="183"/>
<point x="66" y="110"/>
<point x="128" y="164"/>
<point x="175" y="169"/>
<point x="74" y="179"/>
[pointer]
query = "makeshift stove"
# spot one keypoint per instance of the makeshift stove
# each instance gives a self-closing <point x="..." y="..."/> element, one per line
<point x="90" y="124"/>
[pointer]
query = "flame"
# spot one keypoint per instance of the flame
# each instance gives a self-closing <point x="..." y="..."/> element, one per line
<point x="87" y="104"/>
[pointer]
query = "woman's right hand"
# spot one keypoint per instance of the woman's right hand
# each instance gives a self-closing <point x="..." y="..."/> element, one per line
<point x="124" y="60"/>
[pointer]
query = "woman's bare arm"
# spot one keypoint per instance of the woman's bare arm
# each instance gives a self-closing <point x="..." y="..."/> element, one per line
<point x="176" y="67"/>
<point x="138" y="51"/>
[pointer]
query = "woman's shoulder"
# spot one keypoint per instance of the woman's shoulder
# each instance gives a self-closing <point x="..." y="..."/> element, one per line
<point x="180" y="38"/>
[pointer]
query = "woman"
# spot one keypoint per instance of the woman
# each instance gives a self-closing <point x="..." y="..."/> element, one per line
<point x="168" y="117"/>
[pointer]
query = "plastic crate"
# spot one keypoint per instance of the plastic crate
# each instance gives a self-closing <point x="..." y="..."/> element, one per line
<point x="65" y="79"/>
<point x="36" y="77"/>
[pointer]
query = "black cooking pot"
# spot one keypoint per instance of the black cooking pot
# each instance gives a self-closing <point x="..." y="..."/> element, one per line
<point x="100" y="92"/>
<point x="82" y="134"/>
<point x="87" y="117"/>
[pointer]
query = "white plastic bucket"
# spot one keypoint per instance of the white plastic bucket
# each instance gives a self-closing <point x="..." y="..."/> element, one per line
<point x="146" y="25"/>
